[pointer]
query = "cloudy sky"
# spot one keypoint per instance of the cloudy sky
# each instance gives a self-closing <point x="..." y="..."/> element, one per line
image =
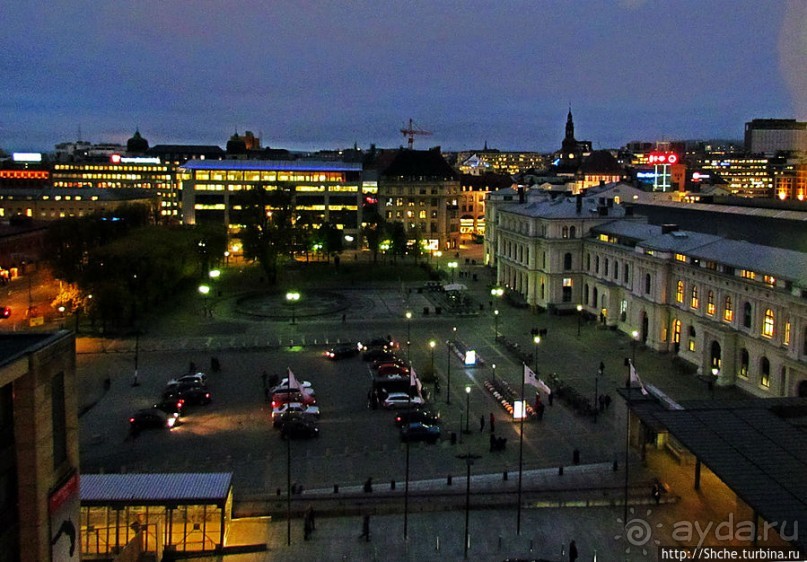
<point x="316" y="74"/>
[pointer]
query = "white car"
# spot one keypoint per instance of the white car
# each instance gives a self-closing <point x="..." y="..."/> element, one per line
<point x="196" y="378"/>
<point x="401" y="400"/>
<point x="293" y="408"/>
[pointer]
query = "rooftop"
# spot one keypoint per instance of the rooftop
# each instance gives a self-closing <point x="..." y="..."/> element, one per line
<point x="273" y="165"/>
<point x="195" y="487"/>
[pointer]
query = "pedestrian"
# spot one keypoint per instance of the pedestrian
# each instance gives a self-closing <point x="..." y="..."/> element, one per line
<point x="550" y="395"/>
<point x="365" y="528"/>
<point x="656" y="492"/>
<point x="368" y="485"/>
<point x="601" y="400"/>
<point x="607" y="401"/>
<point x="481" y="423"/>
<point x="572" y="551"/>
<point x="539" y="410"/>
<point x="602" y="367"/>
<point x="492" y="423"/>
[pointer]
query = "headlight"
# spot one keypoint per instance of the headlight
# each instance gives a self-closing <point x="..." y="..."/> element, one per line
<point x="171" y="421"/>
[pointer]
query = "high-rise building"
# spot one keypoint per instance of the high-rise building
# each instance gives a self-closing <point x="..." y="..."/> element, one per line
<point x="769" y="137"/>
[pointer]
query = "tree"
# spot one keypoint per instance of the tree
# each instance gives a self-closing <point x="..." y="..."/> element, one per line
<point x="267" y="232"/>
<point x="373" y="230"/>
<point x="397" y="235"/>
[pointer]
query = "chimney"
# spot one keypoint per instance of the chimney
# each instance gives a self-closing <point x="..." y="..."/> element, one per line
<point x="667" y="228"/>
<point x="578" y="203"/>
<point x="521" y="194"/>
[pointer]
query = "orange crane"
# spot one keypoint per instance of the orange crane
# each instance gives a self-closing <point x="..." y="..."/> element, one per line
<point x="410" y="132"/>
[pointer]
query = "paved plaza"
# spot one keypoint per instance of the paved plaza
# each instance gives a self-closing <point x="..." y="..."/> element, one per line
<point x="591" y="493"/>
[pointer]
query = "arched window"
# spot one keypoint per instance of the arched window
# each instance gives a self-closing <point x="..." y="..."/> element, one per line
<point x="542" y="289"/>
<point x="567" y="260"/>
<point x="728" y="310"/>
<point x="744" y="361"/>
<point x="626" y="274"/>
<point x="605" y="271"/>
<point x="710" y="303"/>
<point x="679" y="291"/>
<point x="788" y="333"/>
<point x="747" y="310"/>
<point x="694" y="300"/>
<point x="596" y="264"/>
<point x="565" y="232"/>
<point x="676" y="331"/>
<point x="572" y="232"/>
<point x="616" y="270"/>
<point x="765" y="372"/>
<point x="692" y="339"/>
<point x="768" y="323"/>
<point x="647" y="283"/>
<point x="588" y="262"/>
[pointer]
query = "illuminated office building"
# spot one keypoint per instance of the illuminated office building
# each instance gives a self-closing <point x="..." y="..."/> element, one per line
<point x="319" y="192"/>
<point x="769" y="137"/>
<point x="747" y="176"/>
<point x="499" y="162"/>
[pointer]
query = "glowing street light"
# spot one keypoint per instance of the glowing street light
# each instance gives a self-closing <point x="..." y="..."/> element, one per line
<point x="536" y="340"/>
<point x="579" y="317"/>
<point x="496" y="324"/>
<point x="408" y="333"/>
<point x="292" y="297"/>
<point x="452" y="265"/>
<point x="214" y="273"/>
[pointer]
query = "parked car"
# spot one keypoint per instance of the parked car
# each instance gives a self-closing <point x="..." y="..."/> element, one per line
<point x="394" y="360"/>
<point x="416" y="415"/>
<point x="5" y="312"/>
<point x="151" y="418"/>
<point x="171" y="405"/>
<point x="290" y="409"/>
<point x="401" y="400"/>
<point x="298" y="427"/>
<point x="197" y="378"/>
<point x="195" y="395"/>
<point x="286" y="395"/>
<point x="378" y="354"/>
<point x="378" y="343"/>
<point x="418" y="431"/>
<point x="175" y="387"/>
<point x="391" y="369"/>
<point x="342" y="351"/>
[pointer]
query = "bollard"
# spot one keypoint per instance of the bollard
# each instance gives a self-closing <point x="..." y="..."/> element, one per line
<point x="504" y="475"/>
<point x="531" y="544"/>
<point x="392" y="484"/>
<point x="500" y="542"/>
<point x="437" y="545"/>
<point x="560" y="470"/>
<point x="336" y="488"/>
<point x="448" y="480"/>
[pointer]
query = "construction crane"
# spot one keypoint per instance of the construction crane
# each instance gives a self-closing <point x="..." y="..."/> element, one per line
<point x="410" y="132"/>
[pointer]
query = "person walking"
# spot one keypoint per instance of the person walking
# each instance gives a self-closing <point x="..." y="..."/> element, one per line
<point x="481" y="423"/>
<point x="492" y="423"/>
<point x="572" y="551"/>
<point x="365" y="529"/>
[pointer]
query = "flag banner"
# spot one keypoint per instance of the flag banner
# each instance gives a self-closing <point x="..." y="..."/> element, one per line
<point x="529" y="377"/>
<point x="414" y="380"/>
<point x="543" y="386"/>
<point x="293" y="382"/>
<point x="634" y="377"/>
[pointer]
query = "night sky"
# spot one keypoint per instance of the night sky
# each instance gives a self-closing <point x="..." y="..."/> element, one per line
<point x="309" y="75"/>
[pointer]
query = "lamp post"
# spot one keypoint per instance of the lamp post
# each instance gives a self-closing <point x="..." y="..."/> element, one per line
<point x="715" y="373"/>
<point x="469" y="461"/>
<point x="596" y="393"/>
<point x="496" y="325"/>
<point x="432" y="343"/>
<point x="493" y="368"/>
<point x="448" y="372"/>
<point x="452" y="265"/>
<point x="438" y="254"/>
<point x="634" y="339"/>
<point x="408" y="334"/>
<point x="467" y="409"/>
<point x="536" y="340"/>
<point x="288" y="490"/>
<point x="579" y="318"/>
<point x="204" y="290"/>
<point x="292" y="297"/>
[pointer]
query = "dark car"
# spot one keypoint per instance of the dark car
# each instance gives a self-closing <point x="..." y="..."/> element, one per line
<point x="195" y="396"/>
<point x="344" y="351"/>
<point x="171" y="405"/>
<point x="417" y="431"/>
<point x="5" y="312"/>
<point x="298" y="427"/>
<point x="151" y="418"/>
<point x="378" y="354"/>
<point x="175" y="387"/>
<point x="411" y="416"/>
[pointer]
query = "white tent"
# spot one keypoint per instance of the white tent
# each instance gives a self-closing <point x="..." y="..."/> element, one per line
<point x="455" y="287"/>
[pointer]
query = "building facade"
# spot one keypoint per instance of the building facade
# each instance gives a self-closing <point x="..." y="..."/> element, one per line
<point x="735" y="310"/>
<point x="39" y="501"/>
<point x="769" y="137"/>
<point x="319" y="192"/>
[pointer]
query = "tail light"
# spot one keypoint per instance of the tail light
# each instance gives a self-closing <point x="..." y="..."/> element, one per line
<point x="207" y="395"/>
<point x="275" y="404"/>
<point x="131" y="420"/>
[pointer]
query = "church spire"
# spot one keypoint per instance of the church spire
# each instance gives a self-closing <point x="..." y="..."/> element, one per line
<point x="569" y="124"/>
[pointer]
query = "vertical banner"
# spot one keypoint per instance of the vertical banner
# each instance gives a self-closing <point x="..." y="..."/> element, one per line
<point x="64" y="510"/>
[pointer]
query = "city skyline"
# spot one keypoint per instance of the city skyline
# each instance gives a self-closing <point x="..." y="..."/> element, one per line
<point x="306" y="77"/>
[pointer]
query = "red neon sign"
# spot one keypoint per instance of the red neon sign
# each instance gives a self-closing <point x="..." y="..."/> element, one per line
<point x="114" y="158"/>
<point x="662" y="158"/>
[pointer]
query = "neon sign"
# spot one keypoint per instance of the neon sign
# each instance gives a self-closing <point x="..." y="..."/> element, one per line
<point x="662" y="158"/>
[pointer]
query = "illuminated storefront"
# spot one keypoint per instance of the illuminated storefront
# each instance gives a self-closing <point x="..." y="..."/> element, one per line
<point x="183" y="512"/>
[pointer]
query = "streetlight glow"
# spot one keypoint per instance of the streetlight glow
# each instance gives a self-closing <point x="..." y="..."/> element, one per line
<point x="292" y="297"/>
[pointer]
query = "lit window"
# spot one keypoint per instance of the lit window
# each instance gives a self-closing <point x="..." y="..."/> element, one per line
<point x="765" y="372"/>
<point x="769" y="280"/>
<point x="710" y="303"/>
<point x="786" y="339"/>
<point x="747" y="274"/>
<point x="728" y="310"/>
<point x="694" y="300"/>
<point x="679" y="292"/>
<point x="680" y="257"/>
<point x="767" y="324"/>
<point x="744" y="361"/>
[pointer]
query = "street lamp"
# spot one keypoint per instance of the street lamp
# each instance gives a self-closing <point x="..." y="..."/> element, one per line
<point x="469" y="461"/>
<point x="292" y="297"/>
<point x="408" y="333"/>
<point x="496" y="292"/>
<point x="467" y="409"/>
<point x="579" y="318"/>
<point x="634" y="339"/>
<point x="452" y="265"/>
<point x="715" y="373"/>
<point x="493" y="368"/>
<point x="496" y="324"/>
<point x="438" y="254"/>
<point x="204" y="290"/>
<point x="448" y="372"/>
<point x="214" y="273"/>
<point x="536" y="340"/>
<point x="432" y="343"/>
